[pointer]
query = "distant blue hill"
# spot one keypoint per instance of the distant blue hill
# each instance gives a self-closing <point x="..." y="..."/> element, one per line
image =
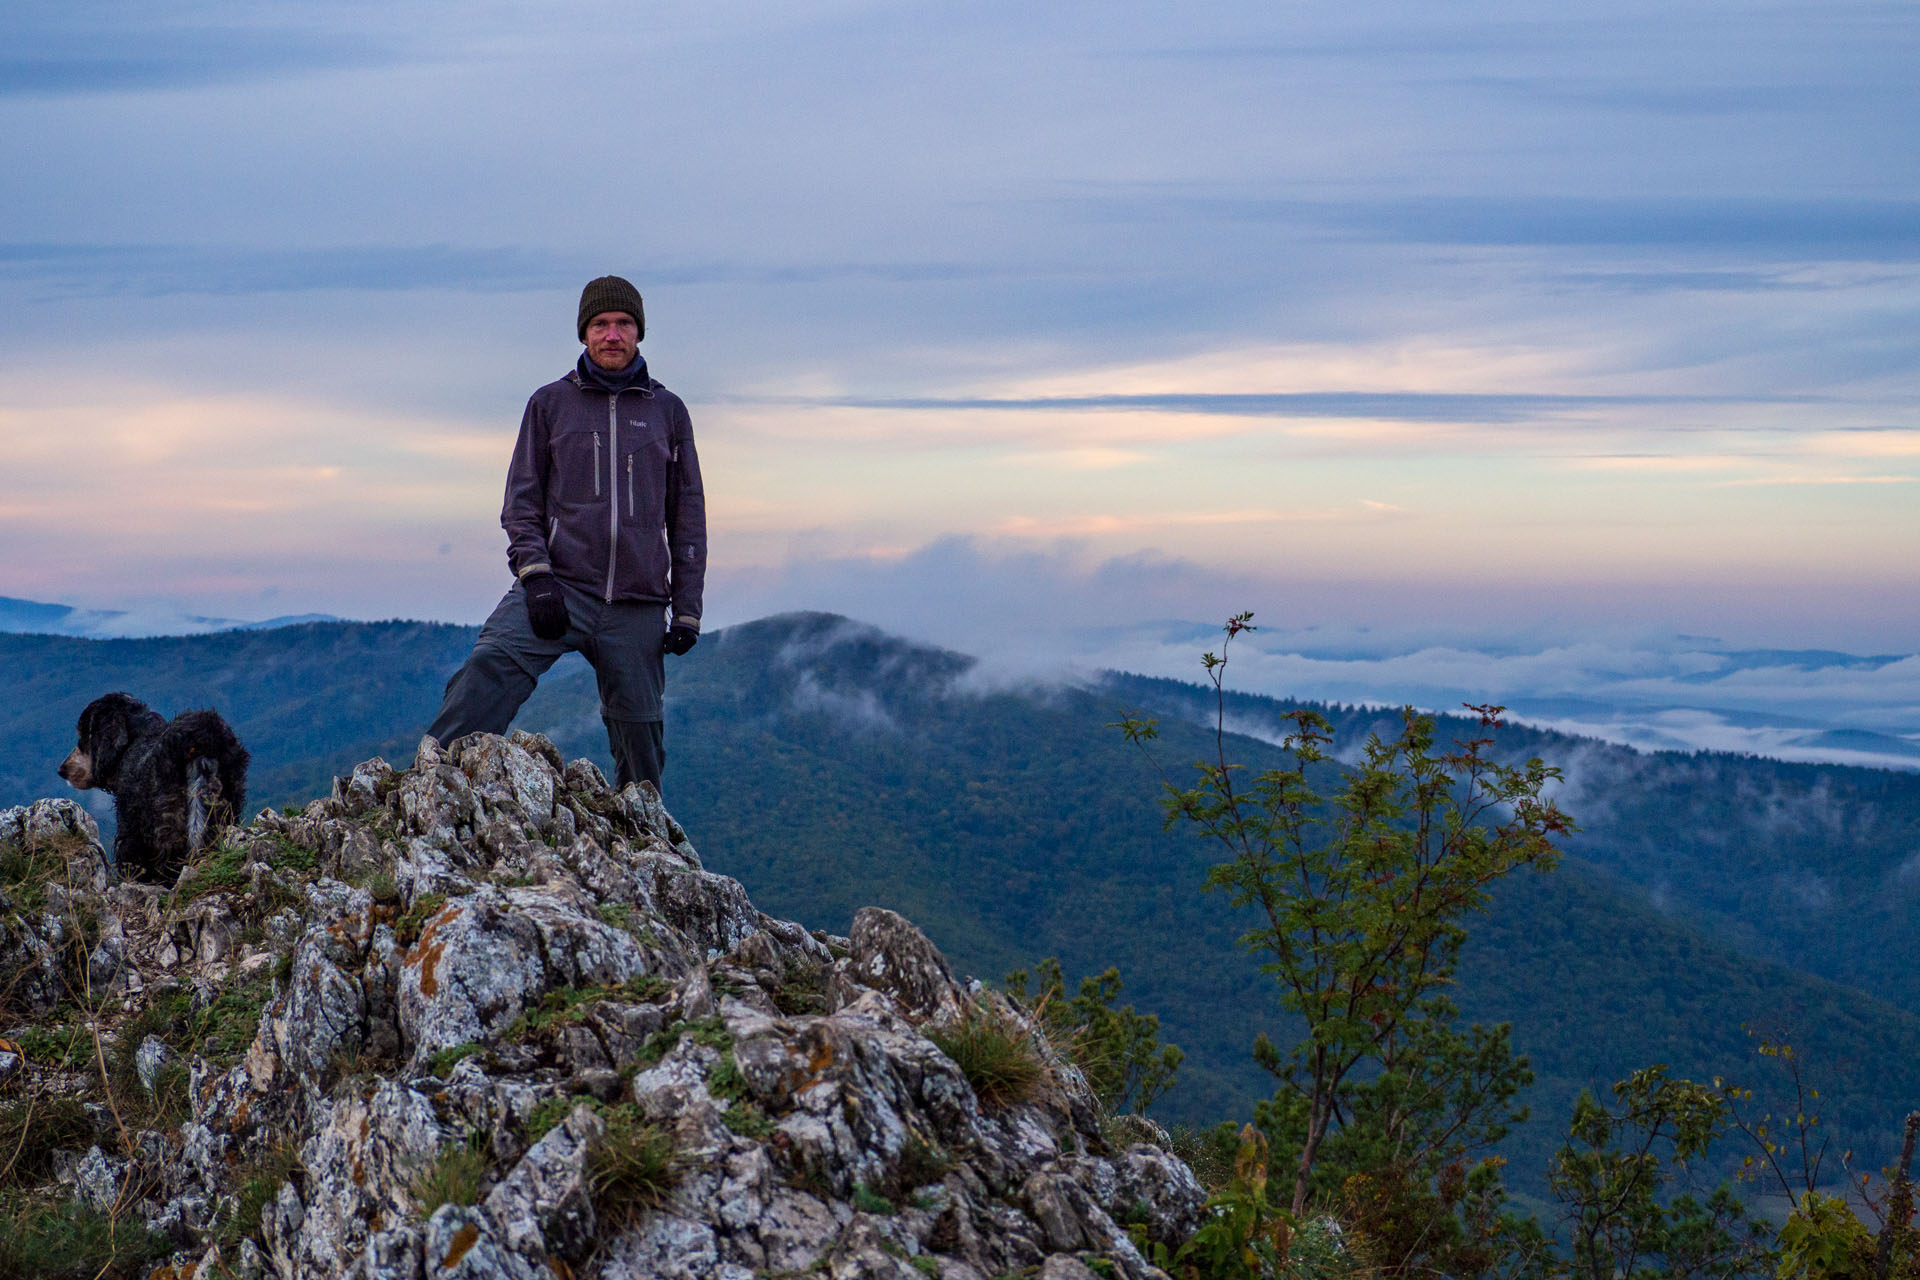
<point x="34" y="617"/>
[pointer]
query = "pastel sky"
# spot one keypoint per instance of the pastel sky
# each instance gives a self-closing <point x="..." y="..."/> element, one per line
<point x="1490" y="315"/>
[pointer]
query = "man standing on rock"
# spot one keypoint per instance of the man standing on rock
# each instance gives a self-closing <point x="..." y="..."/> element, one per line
<point x="607" y="539"/>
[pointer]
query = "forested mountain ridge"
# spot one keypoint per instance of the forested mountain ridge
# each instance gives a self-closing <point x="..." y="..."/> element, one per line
<point x="830" y="767"/>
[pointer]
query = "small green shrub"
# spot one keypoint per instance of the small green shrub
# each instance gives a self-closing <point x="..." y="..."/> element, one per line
<point x="550" y="1113"/>
<point x="725" y="1080"/>
<point x="168" y="1014"/>
<point x="748" y="1120"/>
<point x="61" y="1045"/>
<point x="999" y="1061"/>
<point x="1208" y="1152"/>
<point x="630" y="1167"/>
<point x="1244" y="1235"/>
<point x="867" y="1200"/>
<point x="383" y="887"/>
<point x="455" y="1178"/>
<point x="443" y="1062"/>
<point x="1117" y="1050"/>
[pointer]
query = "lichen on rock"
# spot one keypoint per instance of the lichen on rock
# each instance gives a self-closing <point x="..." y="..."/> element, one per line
<point x="488" y="1016"/>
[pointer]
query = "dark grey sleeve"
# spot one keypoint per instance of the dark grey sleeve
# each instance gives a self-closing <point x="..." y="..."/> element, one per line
<point x="686" y="526"/>
<point x="524" y="514"/>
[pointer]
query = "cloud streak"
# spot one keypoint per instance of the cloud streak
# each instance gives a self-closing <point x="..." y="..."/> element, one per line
<point x="166" y="270"/>
<point x="1400" y="406"/>
<point x="1773" y="228"/>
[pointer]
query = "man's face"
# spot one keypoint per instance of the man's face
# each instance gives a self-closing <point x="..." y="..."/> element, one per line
<point x="612" y="338"/>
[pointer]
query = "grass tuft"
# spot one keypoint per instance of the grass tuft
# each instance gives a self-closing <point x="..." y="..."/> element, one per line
<point x="223" y="870"/>
<point x="27" y="869"/>
<point x="801" y="990"/>
<point x="711" y="1031"/>
<point x="66" y="1240"/>
<point x="259" y="1183"/>
<point x="563" y="1006"/>
<point x="630" y="1167"/>
<point x="33" y="1128"/>
<point x="550" y="1113"/>
<point x="455" y="1178"/>
<point x="999" y="1060"/>
<point x="406" y="930"/>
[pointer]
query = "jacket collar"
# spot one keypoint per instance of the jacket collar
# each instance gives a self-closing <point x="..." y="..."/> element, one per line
<point x="645" y="388"/>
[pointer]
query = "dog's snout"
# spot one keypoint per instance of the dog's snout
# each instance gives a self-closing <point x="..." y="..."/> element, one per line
<point x="77" y="770"/>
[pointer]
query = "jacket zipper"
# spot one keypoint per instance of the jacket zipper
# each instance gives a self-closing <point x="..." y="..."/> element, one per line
<point x="613" y="505"/>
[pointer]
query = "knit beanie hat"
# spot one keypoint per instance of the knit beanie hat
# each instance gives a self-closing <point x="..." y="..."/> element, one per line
<point x="610" y="293"/>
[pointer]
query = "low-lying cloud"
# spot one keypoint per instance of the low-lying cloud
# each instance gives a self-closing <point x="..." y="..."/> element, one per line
<point x="1050" y="613"/>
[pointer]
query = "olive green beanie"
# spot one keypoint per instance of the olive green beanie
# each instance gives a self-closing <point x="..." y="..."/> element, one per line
<point x="610" y="293"/>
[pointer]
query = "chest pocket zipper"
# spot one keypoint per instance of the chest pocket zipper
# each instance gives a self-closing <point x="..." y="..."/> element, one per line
<point x="596" y="464"/>
<point x="629" y="486"/>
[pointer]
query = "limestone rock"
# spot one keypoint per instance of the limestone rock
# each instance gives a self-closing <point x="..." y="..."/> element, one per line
<point x="487" y="1017"/>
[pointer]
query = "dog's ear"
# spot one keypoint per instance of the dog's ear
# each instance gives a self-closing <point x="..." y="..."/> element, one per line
<point x="105" y="729"/>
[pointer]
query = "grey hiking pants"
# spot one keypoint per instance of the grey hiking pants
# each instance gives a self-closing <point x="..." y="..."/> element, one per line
<point x="620" y="639"/>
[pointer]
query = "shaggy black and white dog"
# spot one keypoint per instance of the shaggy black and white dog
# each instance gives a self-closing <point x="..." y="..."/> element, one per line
<point x="174" y="785"/>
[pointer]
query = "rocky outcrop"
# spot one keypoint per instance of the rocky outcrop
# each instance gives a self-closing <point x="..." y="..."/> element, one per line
<point x="489" y="1017"/>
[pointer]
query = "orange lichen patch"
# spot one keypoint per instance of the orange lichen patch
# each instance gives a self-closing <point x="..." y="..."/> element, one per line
<point x="818" y="1061"/>
<point x="241" y="1110"/>
<point x="425" y="954"/>
<point x="463" y="1240"/>
<point x="429" y="984"/>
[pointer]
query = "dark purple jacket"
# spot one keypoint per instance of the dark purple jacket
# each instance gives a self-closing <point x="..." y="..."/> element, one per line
<point x="604" y="490"/>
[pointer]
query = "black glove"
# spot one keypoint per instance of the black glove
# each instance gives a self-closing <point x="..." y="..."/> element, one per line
<point x="679" y="639"/>
<point x="546" y="607"/>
